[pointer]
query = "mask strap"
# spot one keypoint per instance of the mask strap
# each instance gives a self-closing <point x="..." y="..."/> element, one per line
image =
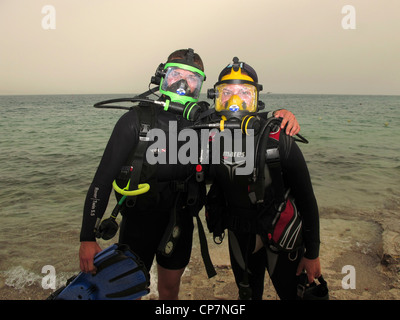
<point x="236" y="64"/>
<point x="190" y="56"/>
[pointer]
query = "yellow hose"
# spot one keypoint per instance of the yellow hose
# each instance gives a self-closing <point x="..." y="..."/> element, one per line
<point x="142" y="188"/>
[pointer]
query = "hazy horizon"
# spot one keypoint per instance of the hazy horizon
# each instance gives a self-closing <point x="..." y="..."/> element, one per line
<point x="104" y="47"/>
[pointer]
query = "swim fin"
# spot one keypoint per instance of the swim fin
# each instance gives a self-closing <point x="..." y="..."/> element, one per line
<point x="120" y="275"/>
<point x="312" y="291"/>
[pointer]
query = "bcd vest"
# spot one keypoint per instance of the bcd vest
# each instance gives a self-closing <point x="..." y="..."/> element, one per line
<point x="172" y="186"/>
<point x="165" y="179"/>
<point x="254" y="203"/>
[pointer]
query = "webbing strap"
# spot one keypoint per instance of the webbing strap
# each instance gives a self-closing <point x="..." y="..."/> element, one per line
<point x="259" y="185"/>
<point x="204" y="250"/>
<point x="195" y="200"/>
<point x="147" y="121"/>
<point x="268" y="154"/>
<point x="275" y="170"/>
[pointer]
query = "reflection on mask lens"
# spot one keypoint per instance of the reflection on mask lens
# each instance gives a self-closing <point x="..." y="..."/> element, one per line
<point x="235" y="97"/>
<point x="182" y="82"/>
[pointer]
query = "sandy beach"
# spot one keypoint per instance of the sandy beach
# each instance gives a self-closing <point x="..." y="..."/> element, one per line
<point x="372" y="249"/>
<point x="376" y="264"/>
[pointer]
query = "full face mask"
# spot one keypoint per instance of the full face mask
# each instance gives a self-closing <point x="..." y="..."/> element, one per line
<point x="181" y="83"/>
<point x="236" y="92"/>
<point x="179" y="80"/>
<point x="236" y="97"/>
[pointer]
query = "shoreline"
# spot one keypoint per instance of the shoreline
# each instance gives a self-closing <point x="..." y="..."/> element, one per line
<point x="372" y="249"/>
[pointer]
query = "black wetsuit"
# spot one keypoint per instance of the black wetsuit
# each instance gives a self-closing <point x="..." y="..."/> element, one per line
<point x="144" y="224"/>
<point x="235" y="190"/>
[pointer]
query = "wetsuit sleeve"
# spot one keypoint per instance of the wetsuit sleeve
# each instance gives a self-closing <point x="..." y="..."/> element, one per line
<point x="122" y="140"/>
<point x="297" y="178"/>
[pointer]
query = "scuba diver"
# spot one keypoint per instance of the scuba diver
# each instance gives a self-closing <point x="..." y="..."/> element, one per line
<point x="271" y="214"/>
<point x="146" y="217"/>
<point x="157" y="201"/>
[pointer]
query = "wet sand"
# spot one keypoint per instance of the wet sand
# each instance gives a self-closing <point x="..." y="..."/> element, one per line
<point x="367" y="245"/>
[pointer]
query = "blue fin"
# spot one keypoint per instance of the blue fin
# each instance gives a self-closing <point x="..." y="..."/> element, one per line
<point x="120" y="276"/>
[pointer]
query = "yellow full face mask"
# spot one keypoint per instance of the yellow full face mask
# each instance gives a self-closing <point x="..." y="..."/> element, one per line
<point x="236" y="97"/>
<point x="236" y="92"/>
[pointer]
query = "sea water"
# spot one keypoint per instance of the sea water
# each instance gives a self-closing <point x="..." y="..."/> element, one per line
<point x="50" y="147"/>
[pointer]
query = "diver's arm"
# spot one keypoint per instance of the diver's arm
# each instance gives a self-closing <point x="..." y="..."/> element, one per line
<point x="87" y="251"/>
<point x="297" y="178"/>
<point x="289" y="119"/>
<point x="312" y="268"/>
<point x="122" y="141"/>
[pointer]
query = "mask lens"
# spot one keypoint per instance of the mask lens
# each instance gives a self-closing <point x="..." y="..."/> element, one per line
<point x="182" y="82"/>
<point x="235" y="97"/>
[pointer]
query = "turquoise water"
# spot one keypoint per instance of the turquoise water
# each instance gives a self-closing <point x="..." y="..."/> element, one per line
<point x="51" y="145"/>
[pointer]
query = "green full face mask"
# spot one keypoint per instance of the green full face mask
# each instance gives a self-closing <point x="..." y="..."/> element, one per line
<point x="181" y="83"/>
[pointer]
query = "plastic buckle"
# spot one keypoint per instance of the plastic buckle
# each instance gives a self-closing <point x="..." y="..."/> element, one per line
<point x="144" y="130"/>
<point x="179" y="186"/>
<point x="272" y="155"/>
<point x="301" y="289"/>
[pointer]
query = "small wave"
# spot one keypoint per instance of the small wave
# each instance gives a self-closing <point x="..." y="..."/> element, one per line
<point x="20" y="278"/>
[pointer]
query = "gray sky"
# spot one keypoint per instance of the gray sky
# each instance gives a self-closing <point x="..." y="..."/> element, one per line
<point x="104" y="46"/>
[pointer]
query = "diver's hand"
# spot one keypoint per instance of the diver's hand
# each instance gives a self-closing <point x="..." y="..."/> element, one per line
<point x="312" y="268"/>
<point x="87" y="251"/>
<point x="293" y="126"/>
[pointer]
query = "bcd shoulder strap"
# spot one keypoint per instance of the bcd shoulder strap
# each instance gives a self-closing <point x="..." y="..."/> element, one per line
<point x="147" y="120"/>
<point x="268" y="154"/>
<point x="273" y="162"/>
